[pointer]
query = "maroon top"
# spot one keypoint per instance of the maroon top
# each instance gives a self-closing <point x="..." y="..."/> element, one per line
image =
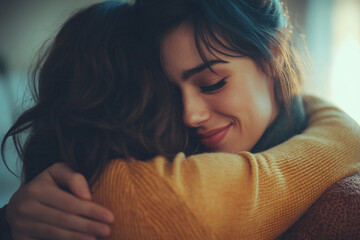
<point x="335" y="215"/>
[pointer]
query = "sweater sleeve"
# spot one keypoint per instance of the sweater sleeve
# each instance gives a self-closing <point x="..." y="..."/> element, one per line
<point x="244" y="195"/>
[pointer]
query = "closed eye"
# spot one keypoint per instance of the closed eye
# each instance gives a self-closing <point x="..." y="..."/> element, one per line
<point x="214" y="87"/>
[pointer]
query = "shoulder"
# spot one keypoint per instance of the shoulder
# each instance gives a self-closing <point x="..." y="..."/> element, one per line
<point x="145" y="204"/>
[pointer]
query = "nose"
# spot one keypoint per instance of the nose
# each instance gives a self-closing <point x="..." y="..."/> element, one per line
<point x="196" y="109"/>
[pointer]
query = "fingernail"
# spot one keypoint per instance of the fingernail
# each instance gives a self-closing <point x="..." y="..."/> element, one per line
<point x="109" y="217"/>
<point x="85" y="194"/>
<point x="104" y="231"/>
<point x="88" y="238"/>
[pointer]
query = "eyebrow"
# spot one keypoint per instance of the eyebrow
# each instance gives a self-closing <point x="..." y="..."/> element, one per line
<point x="188" y="73"/>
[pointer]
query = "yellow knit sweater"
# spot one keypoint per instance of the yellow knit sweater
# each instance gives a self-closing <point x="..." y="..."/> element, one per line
<point x="231" y="196"/>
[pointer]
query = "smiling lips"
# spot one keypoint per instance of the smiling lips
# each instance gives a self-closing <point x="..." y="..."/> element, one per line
<point x="213" y="138"/>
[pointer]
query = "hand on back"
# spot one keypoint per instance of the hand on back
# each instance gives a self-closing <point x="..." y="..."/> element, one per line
<point x="42" y="210"/>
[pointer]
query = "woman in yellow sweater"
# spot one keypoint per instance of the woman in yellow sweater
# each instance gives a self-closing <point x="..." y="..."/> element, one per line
<point x="94" y="116"/>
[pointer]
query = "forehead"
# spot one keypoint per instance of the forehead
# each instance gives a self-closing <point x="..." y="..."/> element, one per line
<point x="178" y="50"/>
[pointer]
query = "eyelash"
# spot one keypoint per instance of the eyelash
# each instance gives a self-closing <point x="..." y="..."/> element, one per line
<point x="214" y="87"/>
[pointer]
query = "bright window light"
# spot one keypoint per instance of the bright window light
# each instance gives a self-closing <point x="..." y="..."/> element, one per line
<point x="345" y="67"/>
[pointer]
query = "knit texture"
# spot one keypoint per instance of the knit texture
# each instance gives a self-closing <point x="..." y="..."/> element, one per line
<point x="232" y="196"/>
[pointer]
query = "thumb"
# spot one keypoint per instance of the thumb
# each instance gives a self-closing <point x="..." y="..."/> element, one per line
<point x="61" y="174"/>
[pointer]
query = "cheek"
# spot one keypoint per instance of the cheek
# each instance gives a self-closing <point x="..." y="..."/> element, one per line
<point x="228" y="102"/>
<point x="265" y="104"/>
<point x="264" y="109"/>
<point x="253" y="104"/>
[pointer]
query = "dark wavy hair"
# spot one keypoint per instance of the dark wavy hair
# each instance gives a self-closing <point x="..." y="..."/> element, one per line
<point x="258" y="29"/>
<point x="98" y="96"/>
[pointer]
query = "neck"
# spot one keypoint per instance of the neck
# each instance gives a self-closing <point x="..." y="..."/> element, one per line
<point x="285" y="125"/>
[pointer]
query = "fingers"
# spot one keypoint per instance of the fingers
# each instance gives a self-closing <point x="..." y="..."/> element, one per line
<point x="66" y="202"/>
<point x="46" y="231"/>
<point x="63" y="175"/>
<point x="60" y="174"/>
<point x="42" y="210"/>
<point x="68" y="221"/>
<point x="34" y="218"/>
<point x="16" y="236"/>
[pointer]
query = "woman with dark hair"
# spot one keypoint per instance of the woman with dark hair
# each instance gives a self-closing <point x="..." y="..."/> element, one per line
<point x="203" y="45"/>
<point x="95" y="99"/>
<point x="114" y="121"/>
<point x="93" y="91"/>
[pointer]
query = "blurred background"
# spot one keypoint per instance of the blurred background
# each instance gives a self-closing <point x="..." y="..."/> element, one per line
<point x="330" y="29"/>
